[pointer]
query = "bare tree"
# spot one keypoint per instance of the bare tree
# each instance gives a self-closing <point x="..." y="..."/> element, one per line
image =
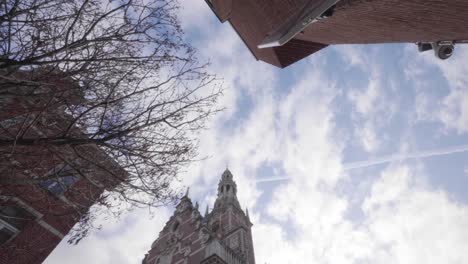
<point x="100" y="85"/>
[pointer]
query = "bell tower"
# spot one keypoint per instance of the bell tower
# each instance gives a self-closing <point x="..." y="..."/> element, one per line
<point x="229" y="222"/>
<point x="222" y="236"/>
<point x="227" y="191"/>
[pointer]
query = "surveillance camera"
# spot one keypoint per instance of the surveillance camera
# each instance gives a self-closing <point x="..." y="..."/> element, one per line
<point x="443" y="50"/>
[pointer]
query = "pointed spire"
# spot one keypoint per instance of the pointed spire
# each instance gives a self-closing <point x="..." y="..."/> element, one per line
<point x="206" y="211"/>
<point x="247" y="213"/>
<point x="187" y="192"/>
<point x="227" y="190"/>
<point x="196" y="205"/>
<point x="226" y="174"/>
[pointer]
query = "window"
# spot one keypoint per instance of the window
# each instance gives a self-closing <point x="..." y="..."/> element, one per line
<point x="65" y="177"/>
<point x="12" y="220"/>
<point x="6" y="233"/>
<point x="175" y="226"/>
<point x="60" y="185"/>
<point x="215" y="227"/>
<point x="10" y="122"/>
<point x="235" y="242"/>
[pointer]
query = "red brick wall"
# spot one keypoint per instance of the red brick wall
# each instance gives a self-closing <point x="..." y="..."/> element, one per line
<point x="382" y="21"/>
<point x="186" y="236"/>
<point x="190" y="234"/>
<point x="31" y="246"/>
<point x="34" y="243"/>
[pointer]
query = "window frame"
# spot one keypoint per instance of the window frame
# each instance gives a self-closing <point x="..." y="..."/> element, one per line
<point x="56" y="185"/>
<point x="7" y="226"/>
<point x="4" y="224"/>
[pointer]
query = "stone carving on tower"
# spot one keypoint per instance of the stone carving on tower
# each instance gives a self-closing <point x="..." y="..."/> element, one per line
<point x="222" y="236"/>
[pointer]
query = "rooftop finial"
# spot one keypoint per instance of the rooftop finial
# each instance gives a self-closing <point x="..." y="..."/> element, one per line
<point x="187" y="192"/>
<point x="226" y="174"/>
<point x="206" y="211"/>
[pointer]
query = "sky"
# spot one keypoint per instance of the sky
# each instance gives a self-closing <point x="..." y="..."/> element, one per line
<point x="356" y="154"/>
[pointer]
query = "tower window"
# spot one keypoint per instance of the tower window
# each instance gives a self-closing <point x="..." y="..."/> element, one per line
<point x="175" y="226"/>
<point x="227" y="188"/>
<point x="215" y="227"/>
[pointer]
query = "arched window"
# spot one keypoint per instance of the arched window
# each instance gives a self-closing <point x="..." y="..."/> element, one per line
<point x="215" y="227"/>
<point x="227" y="188"/>
<point x="175" y="226"/>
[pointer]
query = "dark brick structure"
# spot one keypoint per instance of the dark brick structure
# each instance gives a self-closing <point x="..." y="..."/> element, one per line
<point x="308" y="26"/>
<point x="222" y="236"/>
<point x="35" y="217"/>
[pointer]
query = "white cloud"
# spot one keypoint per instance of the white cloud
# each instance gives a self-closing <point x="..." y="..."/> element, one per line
<point x="123" y="242"/>
<point x="454" y="111"/>
<point x="353" y="55"/>
<point x="369" y="113"/>
<point x="404" y="222"/>
<point x="368" y="136"/>
<point x="365" y="101"/>
<point x="192" y="11"/>
<point x="410" y="223"/>
<point x="373" y="105"/>
<point x="307" y="216"/>
<point x="450" y="109"/>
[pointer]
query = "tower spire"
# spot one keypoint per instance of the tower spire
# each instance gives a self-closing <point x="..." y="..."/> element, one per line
<point x="227" y="191"/>
<point x="206" y="211"/>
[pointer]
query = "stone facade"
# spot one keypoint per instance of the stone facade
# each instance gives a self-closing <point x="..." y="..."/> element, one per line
<point x="345" y="22"/>
<point x="221" y="236"/>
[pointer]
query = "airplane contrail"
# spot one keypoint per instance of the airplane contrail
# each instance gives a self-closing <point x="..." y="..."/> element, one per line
<point x="388" y="159"/>
<point x="405" y="156"/>
<point x="272" y="179"/>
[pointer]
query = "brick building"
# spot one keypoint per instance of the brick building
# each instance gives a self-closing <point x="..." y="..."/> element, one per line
<point x="44" y="190"/>
<point x="222" y="236"/>
<point x="281" y="32"/>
